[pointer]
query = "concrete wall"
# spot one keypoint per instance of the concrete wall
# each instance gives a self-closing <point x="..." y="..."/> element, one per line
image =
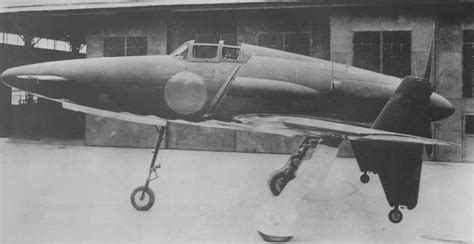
<point x="450" y="39"/>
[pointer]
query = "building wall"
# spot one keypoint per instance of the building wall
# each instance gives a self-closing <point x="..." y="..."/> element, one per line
<point x="450" y="41"/>
<point x="448" y="61"/>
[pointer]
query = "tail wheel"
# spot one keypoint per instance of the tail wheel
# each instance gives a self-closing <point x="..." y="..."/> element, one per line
<point x="142" y="198"/>
<point x="277" y="182"/>
<point x="364" y="178"/>
<point x="395" y="216"/>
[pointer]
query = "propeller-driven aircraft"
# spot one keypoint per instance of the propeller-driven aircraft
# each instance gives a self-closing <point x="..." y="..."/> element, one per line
<point x="386" y="119"/>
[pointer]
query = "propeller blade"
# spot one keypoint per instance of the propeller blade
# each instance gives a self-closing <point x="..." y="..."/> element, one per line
<point x="433" y="88"/>
<point x="430" y="55"/>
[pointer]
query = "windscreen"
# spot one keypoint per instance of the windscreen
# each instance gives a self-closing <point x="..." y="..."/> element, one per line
<point x="205" y="52"/>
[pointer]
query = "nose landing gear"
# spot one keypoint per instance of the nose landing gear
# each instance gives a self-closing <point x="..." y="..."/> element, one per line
<point x="143" y="198"/>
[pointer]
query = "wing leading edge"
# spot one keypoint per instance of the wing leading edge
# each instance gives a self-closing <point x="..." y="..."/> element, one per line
<point x="289" y="126"/>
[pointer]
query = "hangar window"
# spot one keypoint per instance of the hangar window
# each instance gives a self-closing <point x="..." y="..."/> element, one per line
<point x="469" y="124"/>
<point x="204" y="51"/>
<point x="468" y="63"/>
<point x="297" y="43"/>
<point x="291" y="42"/>
<point x="136" y="45"/>
<point x="125" y="46"/>
<point x="114" y="46"/>
<point x="388" y="52"/>
<point x="20" y="97"/>
<point x="12" y="39"/>
<point x="271" y="40"/>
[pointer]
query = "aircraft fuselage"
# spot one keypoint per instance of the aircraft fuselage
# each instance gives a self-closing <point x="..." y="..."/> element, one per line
<point x="197" y="86"/>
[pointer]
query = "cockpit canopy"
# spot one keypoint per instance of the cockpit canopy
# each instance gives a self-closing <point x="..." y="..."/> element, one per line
<point x="207" y="52"/>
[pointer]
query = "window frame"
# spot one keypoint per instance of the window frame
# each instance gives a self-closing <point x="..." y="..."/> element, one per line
<point x="284" y="44"/>
<point x="465" y="93"/>
<point x="216" y="59"/>
<point x="231" y="60"/>
<point x="382" y="58"/>
<point x="20" y="97"/>
<point x="469" y="126"/>
<point x="125" y="48"/>
<point x="181" y="49"/>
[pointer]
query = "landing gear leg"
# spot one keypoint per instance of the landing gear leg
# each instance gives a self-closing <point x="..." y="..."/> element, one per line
<point x="276" y="217"/>
<point x="395" y="215"/>
<point x="143" y="198"/>
<point x="279" y="178"/>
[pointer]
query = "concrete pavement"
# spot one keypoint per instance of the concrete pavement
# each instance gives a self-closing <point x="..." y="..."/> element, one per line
<point x="54" y="193"/>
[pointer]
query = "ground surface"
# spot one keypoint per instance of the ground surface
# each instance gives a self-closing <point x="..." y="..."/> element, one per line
<point x="53" y="193"/>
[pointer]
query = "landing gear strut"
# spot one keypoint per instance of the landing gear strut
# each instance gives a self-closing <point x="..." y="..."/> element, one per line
<point x="280" y="177"/>
<point x="395" y="215"/>
<point x="143" y="198"/>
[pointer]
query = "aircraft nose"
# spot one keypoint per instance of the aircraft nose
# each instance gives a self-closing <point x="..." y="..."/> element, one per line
<point x="29" y="77"/>
<point x="18" y="77"/>
<point x="9" y="75"/>
<point x="440" y="107"/>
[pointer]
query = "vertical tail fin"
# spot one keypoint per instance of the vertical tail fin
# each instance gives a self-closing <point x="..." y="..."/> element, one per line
<point x="399" y="165"/>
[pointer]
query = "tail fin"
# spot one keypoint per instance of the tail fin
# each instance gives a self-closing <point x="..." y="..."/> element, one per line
<point x="399" y="165"/>
<point x="427" y="75"/>
<point x="407" y="111"/>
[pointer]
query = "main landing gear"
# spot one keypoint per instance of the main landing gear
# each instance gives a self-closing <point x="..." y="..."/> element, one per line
<point x="143" y="198"/>
<point x="280" y="177"/>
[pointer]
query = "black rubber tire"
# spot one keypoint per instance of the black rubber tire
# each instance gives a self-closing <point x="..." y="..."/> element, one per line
<point x="149" y="198"/>
<point x="277" y="182"/>
<point x="364" y="178"/>
<point x="395" y="216"/>
<point x="268" y="238"/>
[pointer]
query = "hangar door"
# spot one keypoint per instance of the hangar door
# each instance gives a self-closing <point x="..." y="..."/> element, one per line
<point x="469" y="137"/>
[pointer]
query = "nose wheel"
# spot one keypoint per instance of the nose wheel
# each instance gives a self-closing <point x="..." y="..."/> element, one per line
<point x="142" y="198"/>
<point x="395" y="215"/>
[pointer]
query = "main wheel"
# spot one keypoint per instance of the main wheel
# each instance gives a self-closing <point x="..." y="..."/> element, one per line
<point x="269" y="238"/>
<point x="277" y="182"/>
<point x="395" y="216"/>
<point x="364" y="178"/>
<point x="142" y="198"/>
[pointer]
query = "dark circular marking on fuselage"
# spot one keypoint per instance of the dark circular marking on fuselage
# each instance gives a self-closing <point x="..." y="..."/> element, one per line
<point x="185" y="93"/>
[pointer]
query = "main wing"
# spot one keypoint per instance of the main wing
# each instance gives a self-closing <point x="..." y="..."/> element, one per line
<point x="285" y="125"/>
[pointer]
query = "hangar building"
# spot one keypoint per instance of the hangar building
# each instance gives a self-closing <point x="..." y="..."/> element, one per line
<point x="392" y="37"/>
